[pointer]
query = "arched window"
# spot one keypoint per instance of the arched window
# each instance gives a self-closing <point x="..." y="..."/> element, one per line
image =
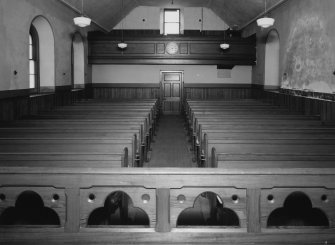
<point x="33" y="60"/>
<point x="78" y="62"/>
<point x="43" y="45"/>
<point x="272" y="48"/>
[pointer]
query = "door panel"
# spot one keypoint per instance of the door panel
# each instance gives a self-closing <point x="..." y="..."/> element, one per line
<point x="172" y="92"/>
<point x="171" y="77"/>
<point x="167" y="90"/>
<point x="176" y="89"/>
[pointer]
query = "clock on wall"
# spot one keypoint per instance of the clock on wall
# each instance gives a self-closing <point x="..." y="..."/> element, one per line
<point x="172" y="48"/>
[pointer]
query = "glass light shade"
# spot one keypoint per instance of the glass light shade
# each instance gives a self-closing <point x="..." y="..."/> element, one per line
<point x="82" y="21"/>
<point x="122" y="45"/>
<point x="265" y="22"/>
<point x="224" y="45"/>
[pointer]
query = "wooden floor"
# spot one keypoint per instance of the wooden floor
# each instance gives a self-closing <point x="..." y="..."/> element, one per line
<point x="171" y="147"/>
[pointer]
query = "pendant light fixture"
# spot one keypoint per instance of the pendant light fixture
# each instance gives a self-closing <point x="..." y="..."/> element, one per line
<point x="224" y="45"/>
<point x="122" y="44"/>
<point x="265" y="22"/>
<point x="82" y="21"/>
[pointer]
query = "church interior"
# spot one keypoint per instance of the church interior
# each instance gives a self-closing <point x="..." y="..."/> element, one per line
<point x="167" y="122"/>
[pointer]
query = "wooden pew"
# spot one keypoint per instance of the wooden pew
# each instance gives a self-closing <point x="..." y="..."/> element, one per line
<point x="93" y="112"/>
<point x="67" y="133"/>
<point x="230" y="108"/>
<point x="80" y="133"/>
<point x="254" y="121"/>
<point x="193" y="126"/>
<point x="69" y="147"/>
<point x="142" y="140"/>
<point x="149" y="127"/>
<point x="190" y="104"/>
<point x="198" y="138"/>
<point x="265" y="146"/>
<point x="113" y="110"/>
<point x="62" y="160"/>
<point x="132" y="110"/>
<point x="63" y="142"/>
<point x="236" y="113"/>
<point x="122" y="116"/>
<point x="273" y="160"/>
<point x="202" y="125"/>
<point x="276" y="140"/>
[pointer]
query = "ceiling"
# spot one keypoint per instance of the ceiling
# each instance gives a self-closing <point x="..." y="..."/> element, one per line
<point x="107" y="13"/>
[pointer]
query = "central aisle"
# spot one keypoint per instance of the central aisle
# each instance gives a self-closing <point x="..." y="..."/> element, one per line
<point x="171" y="147"/>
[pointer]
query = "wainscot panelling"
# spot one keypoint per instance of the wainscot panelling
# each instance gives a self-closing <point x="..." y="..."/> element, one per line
<point x="208" y="91"/>
<point x="117" y="91"/>
<point x="15" y="104"/>
<point x="300" y="102"/>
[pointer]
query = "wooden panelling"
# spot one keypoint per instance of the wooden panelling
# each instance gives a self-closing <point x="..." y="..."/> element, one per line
<point x="105" y="48"/>
<point x="300" y="102"/>
<point x="46" y="194"/>
<point x="41" y="102"/>
<point x="175" y="190"/>
<point x="217" y="91"/>
<point x="18" y="103"/>
<point x="13" y="108"/>
<point x="160" y="48"/>
<point x="125" y="91"/>
<point x="183" y="48"/>
<point x="142" y="198"/>
<point x="204" y="48"/>
<point x="14" y="93"/>
<point x="190" y="195"/>
<point x="276" y="199"/>
<point x="149" y="48"/>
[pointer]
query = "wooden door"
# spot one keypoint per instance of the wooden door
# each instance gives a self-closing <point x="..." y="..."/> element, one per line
<point x="172" y="90"/>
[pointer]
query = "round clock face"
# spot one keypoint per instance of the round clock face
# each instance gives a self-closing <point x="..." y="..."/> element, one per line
<point x="172" y="48"/>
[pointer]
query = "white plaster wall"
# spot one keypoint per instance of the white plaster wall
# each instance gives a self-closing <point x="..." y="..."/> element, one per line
<point x="272" y="49"/>
<point x="151" y="17"/>
<point x="15" y="19"/>
<point x="151" y="74"/>
<point x="307" y="45"/>
<point x="78" y="60"/>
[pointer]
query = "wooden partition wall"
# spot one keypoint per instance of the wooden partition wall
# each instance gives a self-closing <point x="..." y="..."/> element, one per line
<point x="208" y="91"/>
<point x="124" y="91"/>
<point x="301" y="102"/>
<point x="163" y="194"/>
<point x="203" y="91"/>
<point x="15" y="104"/>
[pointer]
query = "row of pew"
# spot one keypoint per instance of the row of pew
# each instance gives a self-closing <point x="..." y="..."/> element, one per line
<point x="251" y="134"/>
<point x="87" y="134"/>
<point x="253" y="204"/>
